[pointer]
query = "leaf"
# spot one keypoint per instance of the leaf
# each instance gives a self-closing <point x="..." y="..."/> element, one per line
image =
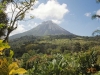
<point x="12" y="72"/>
<point x="14" y="69"/>
<point x="22" y="15"/>
<point x="3" y="45"/>
<point x="54" y="61"/>
<point x="1" y="48"/>
<point x="13" y="66"/>
<point x="94" y="16"/>
<point x="20" y="71"/>
<point x="11" y="53"/>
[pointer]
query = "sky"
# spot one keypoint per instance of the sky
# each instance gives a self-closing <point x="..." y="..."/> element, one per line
<point x="72" y="15"/>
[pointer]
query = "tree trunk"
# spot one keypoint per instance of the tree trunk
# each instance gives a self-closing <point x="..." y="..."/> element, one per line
<point x="7" y="37"/>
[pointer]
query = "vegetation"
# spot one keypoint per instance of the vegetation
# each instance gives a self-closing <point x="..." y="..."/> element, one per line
<point x="58" y="55"/>
<point x="53" y="44"/>
<point x="48" y="55"/>
<point x="7" y="65"/>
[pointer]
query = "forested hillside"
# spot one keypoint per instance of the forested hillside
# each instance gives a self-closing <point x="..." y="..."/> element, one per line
<point x="53" y="44"/>
<point x="58" y="55"/>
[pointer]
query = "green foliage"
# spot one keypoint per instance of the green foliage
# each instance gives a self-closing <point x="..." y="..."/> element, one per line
<point x="64" y="56"/>
<point x="82" y="63"/>
<point x="7" y="66"/>
<point x="52" y="45"/>
<point x="3" y="46"/>
<point x="69" y="63"/>
<point x="2" y="25"/>
<point x="87" y="60"/>
<point x="3" y="20"/>
<point x="51" y="65"/>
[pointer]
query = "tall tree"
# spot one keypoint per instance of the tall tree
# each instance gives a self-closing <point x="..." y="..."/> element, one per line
<point x="18" y="10"/>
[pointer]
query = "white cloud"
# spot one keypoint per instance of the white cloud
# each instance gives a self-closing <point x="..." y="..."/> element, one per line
<point x="98" y="12"/>
<point x="88" y="14"/>
<point x="22" y="28"/>
<point x="36" y="3"/>
<point x="51" y="10"/>
<point x="56" y="21"/>
<point x="10" y="9"/>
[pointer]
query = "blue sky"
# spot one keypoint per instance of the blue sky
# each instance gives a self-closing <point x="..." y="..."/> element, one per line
<point x="72" y="15"/>
<point x="79" y="23"/>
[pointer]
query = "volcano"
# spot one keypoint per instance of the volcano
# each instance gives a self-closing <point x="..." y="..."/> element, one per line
<point x="43" y="29"/>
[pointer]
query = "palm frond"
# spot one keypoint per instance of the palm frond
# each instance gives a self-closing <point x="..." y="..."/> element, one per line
<point x="97" y="1"/>
<point x="96" y="32"/>
<point x="95" y="16"/>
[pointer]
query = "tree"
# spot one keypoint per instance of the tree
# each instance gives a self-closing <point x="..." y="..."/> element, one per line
<point x="3" y="24"/>
<point x="96" y="32"/>
<point x="3" y="18"/>
<point x="19" y="9"/>
<point x="94" y="17"/>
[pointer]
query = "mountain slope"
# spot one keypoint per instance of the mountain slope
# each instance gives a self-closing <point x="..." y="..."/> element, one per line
<point x="45" y="28"/>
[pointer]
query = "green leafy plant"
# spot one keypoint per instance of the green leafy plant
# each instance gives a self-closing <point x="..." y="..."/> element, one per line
<point x="7" y="66"/>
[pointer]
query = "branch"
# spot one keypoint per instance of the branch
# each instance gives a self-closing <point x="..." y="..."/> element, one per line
<point x="95" y="16"/>
<point x="16" y="18"/>
<point x="96" y="31"/>
<point x="23" y="10"/>
<point x="13" y="11"/>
